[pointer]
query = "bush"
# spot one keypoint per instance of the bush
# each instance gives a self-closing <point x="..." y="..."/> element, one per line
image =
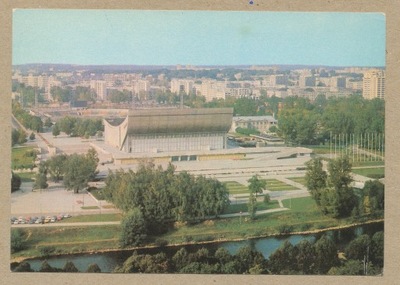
<point x="161" y="242"/>
<point x="17" y="242"/>
<point x="45" y="251"/>
<point x="285" y="229"/>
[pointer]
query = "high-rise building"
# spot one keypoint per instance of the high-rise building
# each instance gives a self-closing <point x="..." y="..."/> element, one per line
<point x="180" y="85"/>
<point x="374" y="84"/>
<point x="100" y="87"/>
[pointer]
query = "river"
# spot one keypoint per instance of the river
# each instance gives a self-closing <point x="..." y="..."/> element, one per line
<point x="107" y="261"/>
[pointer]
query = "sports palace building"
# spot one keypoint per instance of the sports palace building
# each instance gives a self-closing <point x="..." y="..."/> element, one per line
<point x="169" y="130"/>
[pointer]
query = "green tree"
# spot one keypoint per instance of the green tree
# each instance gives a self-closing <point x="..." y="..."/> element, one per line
<point x="93" y="268"/>
<point x="316" y="178"/>
<point x="56" y="130"/>
<point x="48" y="123"/>
<point x="377" y="249"/>
<point x="56" y="166"/>
<point x="283" y="259"/>
<point x="326" y="255"/>
<point x="78" y="171"/>
<point x="252" y="206"/>
<point x="41" y="177"/>
<point x="17" y="240"/>
<point x="15" y="182"/>
<point x="70" y="267"/>
<point x="133" y="228"/>
<point x="305" y="258"/>
<point x="257" y="185"/>
<point x="45" y="267"/>
<point x="358" y="248"/>
<point x="32" y="136"/>
<point x="23" y="267"/>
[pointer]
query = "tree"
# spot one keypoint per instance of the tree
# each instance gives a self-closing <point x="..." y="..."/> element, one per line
<point x="256" y="185"/>
<point x="377" y="246"/>
<point x="316" y="178"/>
<point x="56" y="166"/>
<point x="78" y="171"/>
<point x="32" y="136"/>
<point x="56" y="130"/>
<point x="358" y="248"/>
<point x="340" y="179"/>
<point x="93" y="268"/>
<point x="133" y="228"/>
<point x="326" y="255"/>
<point x="23" y="267"/>
<point x="252" y="206"/>
<point x="48" y="123"/>
<point x="17" y="240"/>
<point x="267" y="199"/>
<point x="41" y="177"/>
<point x="70" y="267"/>
<point x="45" y="267"/>
<point x="15" y="182"/>
<point x="283" y="259"/>
<point x="305" y="258"/>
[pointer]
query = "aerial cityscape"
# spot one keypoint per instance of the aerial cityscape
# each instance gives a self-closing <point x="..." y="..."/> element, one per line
<point x="232" y="162"/>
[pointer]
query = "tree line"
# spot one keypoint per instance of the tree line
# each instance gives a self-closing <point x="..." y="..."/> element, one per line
<point x="333" y="193"/>
<point x="306" y="257"/>
<point x="303" y="122"/>
<point x="78" y="127"/>
<point x="27" y="120"/>
<point x="76" y="170"/>
<point x="152" y="198"/>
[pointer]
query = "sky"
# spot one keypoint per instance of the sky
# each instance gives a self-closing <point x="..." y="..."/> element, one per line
<point x="144" y="37"/>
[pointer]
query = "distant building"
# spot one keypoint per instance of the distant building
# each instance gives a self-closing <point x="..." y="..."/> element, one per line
<point x="306" y="81"/>
<point x="181" y="85"/>
<point x="169" y="130"/>
<point x="374" y="84"/>
<point x="259" y="123"/>
<point x="100" y="87"/>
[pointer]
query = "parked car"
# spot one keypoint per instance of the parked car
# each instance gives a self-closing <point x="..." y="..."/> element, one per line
<point x="16" y="222"/>
<point x="38" y="221"/>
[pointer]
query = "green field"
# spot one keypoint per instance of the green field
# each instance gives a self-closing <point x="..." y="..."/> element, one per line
<point x="236" y="188"/>
<point x="301" y="180"/>
<point x="237" y="208"/>
<point x="276" y="185"/>
<point x="22" y="157"/>
<point x="93" y="218"/>
<point x="368" y="163"/>
<point x="305" y="204"/>
<point x="68" y="239"/>
<point x="375" y="173"/>
<point x="26" y="176"/>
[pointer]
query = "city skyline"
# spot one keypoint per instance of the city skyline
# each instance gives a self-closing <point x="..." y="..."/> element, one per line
<point x="101" y="37"/>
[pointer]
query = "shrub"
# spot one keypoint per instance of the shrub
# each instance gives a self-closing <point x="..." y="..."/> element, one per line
<point x="285" y="229"/>
<point x="45" y="251"/>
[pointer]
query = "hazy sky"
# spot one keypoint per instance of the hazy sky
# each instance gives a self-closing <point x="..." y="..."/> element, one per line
<point x="198" y="37"/>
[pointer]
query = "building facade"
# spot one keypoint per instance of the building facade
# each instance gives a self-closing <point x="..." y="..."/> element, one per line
<point x="374" y="84"/>
<point x="169" y="130"/>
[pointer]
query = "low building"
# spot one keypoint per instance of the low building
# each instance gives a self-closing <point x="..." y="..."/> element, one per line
<point x="259" y="123"/>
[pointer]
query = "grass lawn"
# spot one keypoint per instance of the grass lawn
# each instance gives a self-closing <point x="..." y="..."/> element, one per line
<point x="97" y="193"/>
<point x="69" y="239"/>
<point x="236" y="188"/>
<point x="237" y="208"/>
<point x="301" y="180"/>
<point x="368" y="163"/>
<point x="22" y="157"/>
<point x="26" y="176"/>
<point x="93" y="218"/>
<point x="305" y="204"/>
<point x="277" y="185"/>
<point x="376" y="173"/>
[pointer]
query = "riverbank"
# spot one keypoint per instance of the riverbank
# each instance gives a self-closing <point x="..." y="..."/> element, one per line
<point x="19" y="259"/>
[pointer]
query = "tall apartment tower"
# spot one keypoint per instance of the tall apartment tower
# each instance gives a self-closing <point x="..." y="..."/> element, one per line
<point x="374" y="84"/>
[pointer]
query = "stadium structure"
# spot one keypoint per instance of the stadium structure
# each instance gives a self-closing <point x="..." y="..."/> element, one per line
<point x="169" y="130"/>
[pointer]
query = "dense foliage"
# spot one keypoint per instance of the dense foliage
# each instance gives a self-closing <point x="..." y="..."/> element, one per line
<point x="304" y="122"/>
<point x="163" y="196"/>
<point x="27" y="120"/>
<point x="333" y="193"/>
<point x="15" y="182"/>
<point x="77" y="127"/>
<point x="320" y="257"/>
<point x="76" y="170"/>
